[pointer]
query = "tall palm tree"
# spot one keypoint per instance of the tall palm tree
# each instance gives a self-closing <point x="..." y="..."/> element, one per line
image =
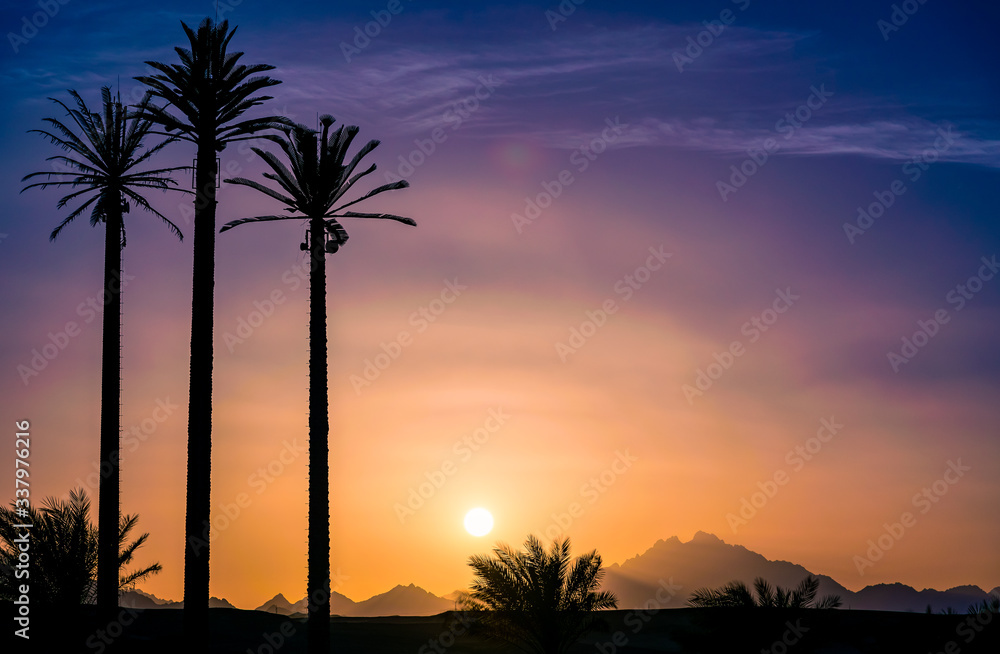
<point x="315" y="186"/>
<point x="764" y="595"/>
<point x="211" y="90"/>
<point x="533" y="600"/>
<point x="104" y="151"/>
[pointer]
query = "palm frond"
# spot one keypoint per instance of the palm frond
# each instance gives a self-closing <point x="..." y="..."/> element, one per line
<point x="313" y="177"/>
<point x="64" y="551"/>
<point x="255" y="219"/>
<point x="263" y="189"/>
<point x="532" y="599"/>
<point x="392" y="186"/>
<point x="209" y="88"/>
<point x="377" y="216"/>
<point x="107" y="146"/>
<point x="736" y="594"/>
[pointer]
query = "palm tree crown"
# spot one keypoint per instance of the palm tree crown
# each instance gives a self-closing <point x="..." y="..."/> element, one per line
<point x="210" y="88"/>
<point x="102" y="160"/>
<point x="318" y="178"/>
<point x="533" y="599"/>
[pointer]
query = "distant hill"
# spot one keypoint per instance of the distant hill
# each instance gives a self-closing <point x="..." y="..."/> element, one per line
<point x="138" y="599"/>
<point x="904" y="598"/>
<point x="708" y="561"/>
<point x="404" y="600"/>
<point x="401" y="600"/>
<point x="280" y="605"/>
<point x="339" y="605"/>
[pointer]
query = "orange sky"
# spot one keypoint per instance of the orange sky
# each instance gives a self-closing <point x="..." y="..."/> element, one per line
<point x="491" y="352"/>
<point x="571" y="419"/>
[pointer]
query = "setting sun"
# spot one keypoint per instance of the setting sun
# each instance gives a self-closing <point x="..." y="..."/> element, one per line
<point x="478" y="522"/>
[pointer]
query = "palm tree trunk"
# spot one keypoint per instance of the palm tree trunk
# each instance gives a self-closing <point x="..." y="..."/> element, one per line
<point x="199" y="471"/>
<point x="109" y="502"/>
<point x="318" y="584"/>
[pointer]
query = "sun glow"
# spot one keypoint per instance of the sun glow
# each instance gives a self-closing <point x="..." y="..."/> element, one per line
<point x="478" y="522"/>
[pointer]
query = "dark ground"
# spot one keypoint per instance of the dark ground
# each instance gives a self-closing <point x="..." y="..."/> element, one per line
<point x="625" y="632"/>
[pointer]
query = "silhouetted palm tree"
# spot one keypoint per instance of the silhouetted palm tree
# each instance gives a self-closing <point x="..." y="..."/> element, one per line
<point x="104" y="150"/>
<point x="316" y="182"/>
<point x="736" y="594"/>
<point x="211" y="90"/>
<point x="64" y="544"/>
<point x="533" y="600"/>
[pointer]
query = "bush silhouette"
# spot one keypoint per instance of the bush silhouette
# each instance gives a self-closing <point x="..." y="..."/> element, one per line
<point x="532" y="599"/>
<point x="64" y="552"/>
<point x="764" y="595"/>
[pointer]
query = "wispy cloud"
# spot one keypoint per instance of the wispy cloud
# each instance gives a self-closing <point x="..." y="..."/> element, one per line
<point x="901" y="140"/>
<point x="556" y="91"/>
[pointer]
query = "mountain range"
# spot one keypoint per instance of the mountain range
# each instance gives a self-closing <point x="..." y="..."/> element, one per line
<point x="401" y="600"/>
<point x="708" y="561"/>
<point x="669" y="569"/>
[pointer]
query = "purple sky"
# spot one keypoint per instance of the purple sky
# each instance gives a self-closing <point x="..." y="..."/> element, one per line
<point x="641" y="137"/>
